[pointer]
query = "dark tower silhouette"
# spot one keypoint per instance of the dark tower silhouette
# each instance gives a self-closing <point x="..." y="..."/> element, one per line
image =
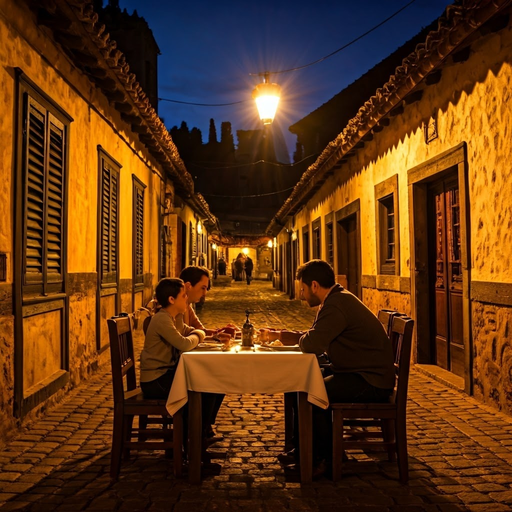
<point x="135" y="39"/>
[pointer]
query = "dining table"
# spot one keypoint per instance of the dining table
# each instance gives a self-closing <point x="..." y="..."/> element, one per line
<point x="260" y="370"/>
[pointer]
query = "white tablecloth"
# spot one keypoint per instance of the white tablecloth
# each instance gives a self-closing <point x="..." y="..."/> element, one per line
<point x="247" y="372"/>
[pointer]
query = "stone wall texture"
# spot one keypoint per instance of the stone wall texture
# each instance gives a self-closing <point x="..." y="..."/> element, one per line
<point x="492" y="355"/>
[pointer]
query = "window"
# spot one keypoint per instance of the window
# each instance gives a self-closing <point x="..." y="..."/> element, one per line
<point x="316" y="240"/>
<point x="305" y="243"/>
<point x="43" y="177"/>
<point x="329" y="243"/>
<point x="387" y="226"/>
<point x="138" y="232"/>
<point x="109" y="218"/>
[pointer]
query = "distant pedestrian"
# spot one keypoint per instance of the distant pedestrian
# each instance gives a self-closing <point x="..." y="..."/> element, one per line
<point x="222" y="267"/>
<point x="239" y="267"/>
<point x="249" y="266"/>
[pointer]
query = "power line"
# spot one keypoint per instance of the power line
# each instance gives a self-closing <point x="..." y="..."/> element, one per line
<point x="203" y="104"/>
<point x="234" y="166"/>
<point x="344" y="46"/>
<point x="254" y="195"/>
<point x="297" y="68"/>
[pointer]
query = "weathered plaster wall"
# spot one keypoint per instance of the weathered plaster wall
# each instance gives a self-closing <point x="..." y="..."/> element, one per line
<point x="382" y="299"/>
<point x="95" y="123"/>
<point x="471" y="104"/>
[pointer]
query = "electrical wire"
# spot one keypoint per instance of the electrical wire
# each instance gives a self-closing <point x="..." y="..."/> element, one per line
<point x="342" y="48"/>
<point x="296" y="68"/>
<point x="254" y="195"/>
<point x="234" y="166"/>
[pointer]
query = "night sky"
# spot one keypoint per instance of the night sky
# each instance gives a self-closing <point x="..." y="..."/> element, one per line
<point x="209" y="48"/>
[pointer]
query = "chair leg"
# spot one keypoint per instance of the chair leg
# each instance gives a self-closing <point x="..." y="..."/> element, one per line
<point x="127" y="435"/>
<point x="117" y="444"/>
<point x="177" y="438"/>
<point x="388" y="433"/>
<point x="143" y="424"/>
<point x="337" y="444"/>
<point x="401" y="446"/>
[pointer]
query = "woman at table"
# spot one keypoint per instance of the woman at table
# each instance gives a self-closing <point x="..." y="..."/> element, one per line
<point x="166" y="338"/>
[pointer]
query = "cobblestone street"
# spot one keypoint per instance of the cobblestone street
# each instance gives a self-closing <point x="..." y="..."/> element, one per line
<point x="460" y="451"/>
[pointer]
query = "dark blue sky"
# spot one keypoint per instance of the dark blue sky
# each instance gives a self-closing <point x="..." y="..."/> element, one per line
<point x="209" y="48"/>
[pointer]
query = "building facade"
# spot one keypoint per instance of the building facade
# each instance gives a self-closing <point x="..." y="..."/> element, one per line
<point x="93" y="191"/>
<point x="411" y="203"/>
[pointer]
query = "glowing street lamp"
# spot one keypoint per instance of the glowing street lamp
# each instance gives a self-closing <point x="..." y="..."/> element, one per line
<point x="269" y="244"/>
<point x="267" y="97"/>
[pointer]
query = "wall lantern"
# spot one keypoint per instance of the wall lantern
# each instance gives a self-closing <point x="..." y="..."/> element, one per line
<point x="245" y="251"/>
<point x="270" y="244"/>
<point x="199" y="227"/>
<point x="267" y="97"/>
<point x="214" y="247"/>
<point x="294" y="235"/>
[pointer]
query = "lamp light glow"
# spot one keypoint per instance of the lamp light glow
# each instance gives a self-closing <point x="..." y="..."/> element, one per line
<point x="214" y="247"/>
<point x="270" y="244"/>
<point x="267" y="97"/>
<point x="199" y="227"/>
<point x="245" y="251"/>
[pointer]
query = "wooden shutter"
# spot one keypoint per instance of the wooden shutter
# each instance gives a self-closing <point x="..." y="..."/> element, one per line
<point x="109" y="223"/>
<point x="35" y="148"/>
<point x="139" y="235"/>
<point x="55" y="199"/>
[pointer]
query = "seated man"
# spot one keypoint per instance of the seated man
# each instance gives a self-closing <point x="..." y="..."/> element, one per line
<point x="197" y="283"/>
<point x="354" y="341"/>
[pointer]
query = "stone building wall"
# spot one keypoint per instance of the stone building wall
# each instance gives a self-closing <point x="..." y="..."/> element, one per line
<point x="471" y="105"/>
<point x="94" y="123"/>
<point x="492" y="374"/>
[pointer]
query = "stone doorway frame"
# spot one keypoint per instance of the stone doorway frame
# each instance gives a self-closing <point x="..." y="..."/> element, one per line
<point x="418" y="179"/>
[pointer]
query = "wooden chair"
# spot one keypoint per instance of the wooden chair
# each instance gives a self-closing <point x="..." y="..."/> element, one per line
<point x="392" y="415"/>
<point x="130" y="402"/>
<point x="385" y="317"/>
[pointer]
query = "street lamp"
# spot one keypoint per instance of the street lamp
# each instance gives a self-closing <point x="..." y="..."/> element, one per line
<point x="267" y="97"/>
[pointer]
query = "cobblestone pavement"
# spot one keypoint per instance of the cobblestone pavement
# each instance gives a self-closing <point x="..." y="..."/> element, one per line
<point x="460" y="451"/>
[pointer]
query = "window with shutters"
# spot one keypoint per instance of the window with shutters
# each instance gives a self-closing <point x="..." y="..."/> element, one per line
<point x="43" y="189"/>
<point x="317" y="249"/>
<point x="109" y="219"/>
<point x="138" y="232"/>
<point x="386" y="200"/>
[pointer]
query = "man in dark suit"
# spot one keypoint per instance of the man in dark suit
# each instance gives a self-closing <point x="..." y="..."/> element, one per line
<point x="355" y="343"/>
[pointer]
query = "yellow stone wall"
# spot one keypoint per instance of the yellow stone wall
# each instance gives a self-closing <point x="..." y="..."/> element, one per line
<point x="472" y="105"/>
<point x="94" y="123"/>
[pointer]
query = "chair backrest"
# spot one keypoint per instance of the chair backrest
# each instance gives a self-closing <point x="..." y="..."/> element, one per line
<point x="121" y="355"/>
<point x="385" y="317"/>
<point x="401" y="333"/>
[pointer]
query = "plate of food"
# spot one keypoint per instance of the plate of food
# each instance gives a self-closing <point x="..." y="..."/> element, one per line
<point x="209" y="345"/>
<point x="278" y="345"/>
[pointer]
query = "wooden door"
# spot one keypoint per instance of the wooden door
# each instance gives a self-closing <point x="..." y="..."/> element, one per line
<point x="348" y="241"/>
<point x="446" y="267"/>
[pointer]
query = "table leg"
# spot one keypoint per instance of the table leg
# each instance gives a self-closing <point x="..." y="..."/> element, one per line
<point x="305" y="439"/>
<point x="194" y="437"/>
<point x="289" y="399"/>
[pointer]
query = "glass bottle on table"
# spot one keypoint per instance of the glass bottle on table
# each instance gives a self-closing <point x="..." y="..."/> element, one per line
<point x="247" y="332"/>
